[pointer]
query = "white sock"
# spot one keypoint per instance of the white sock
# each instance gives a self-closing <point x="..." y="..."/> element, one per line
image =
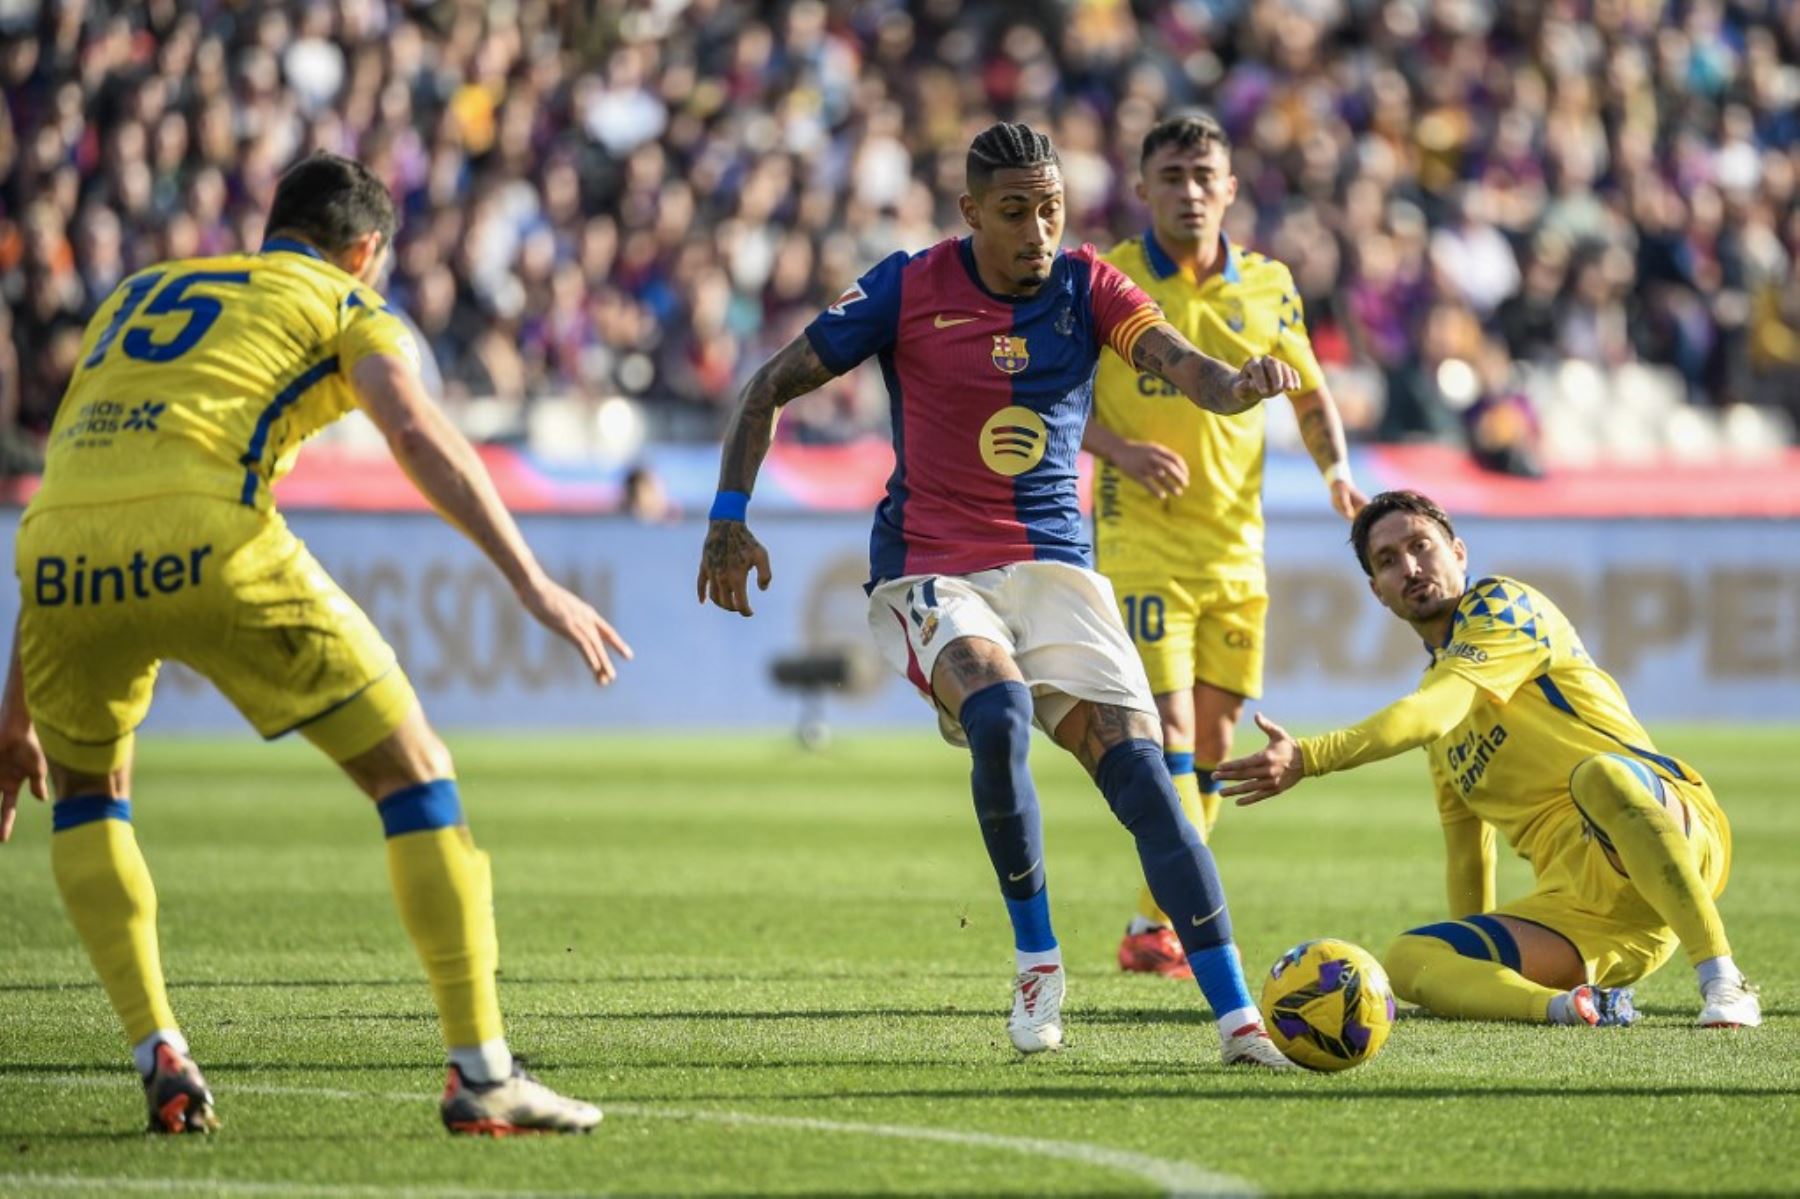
<point x="487" y="1062"/>
<point x="143" y="1054"/>
<point x="1140" y="925"/>
<point x="1233" y="1020"/>
<point x="1719" y="967"/>
<point x="1028" y="961"/>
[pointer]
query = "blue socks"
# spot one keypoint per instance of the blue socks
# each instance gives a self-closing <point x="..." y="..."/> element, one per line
<point x="997" y="722"/>
<point x="1178" y="867"/>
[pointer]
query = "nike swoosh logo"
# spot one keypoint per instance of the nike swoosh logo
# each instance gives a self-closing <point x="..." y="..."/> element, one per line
<point x="940" y="321"/>
<point x="1019" y="878"/>
<point x="1202" y="921"/>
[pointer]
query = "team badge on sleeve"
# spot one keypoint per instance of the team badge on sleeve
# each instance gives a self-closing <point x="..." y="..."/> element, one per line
<point x="1010" y="354"/>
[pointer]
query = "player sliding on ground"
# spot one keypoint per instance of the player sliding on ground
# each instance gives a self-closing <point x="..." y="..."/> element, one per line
<point x="979" y="590"/>
<point x="1526" y="735"/>
<point x="155" y="537"/>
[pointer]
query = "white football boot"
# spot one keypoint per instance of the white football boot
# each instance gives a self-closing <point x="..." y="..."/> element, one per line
<point x="1729" y="1003"/>
<point x="1251" y="1046"/>
<point x="516" y="1104"/>
<point x="1036" y="1022"/>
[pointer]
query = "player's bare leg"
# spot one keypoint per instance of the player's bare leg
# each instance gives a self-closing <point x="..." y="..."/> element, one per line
<point x="106" y="887"/>
<point x="1494" y="967"/>
<point x="1122" y="749"/>
<point x="1647" y="833"/>
<point x="977" y="681"/>
<point x="444" y="890"/>
<point x="1197" y="726"/>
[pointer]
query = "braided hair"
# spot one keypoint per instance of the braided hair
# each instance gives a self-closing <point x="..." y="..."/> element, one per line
<point x="1006" y="146"/>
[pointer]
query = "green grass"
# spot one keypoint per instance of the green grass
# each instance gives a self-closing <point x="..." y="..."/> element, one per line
<point x="723" y="939"/>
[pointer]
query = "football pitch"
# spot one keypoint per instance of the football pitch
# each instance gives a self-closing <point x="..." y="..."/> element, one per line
<point x="788" y="973"/>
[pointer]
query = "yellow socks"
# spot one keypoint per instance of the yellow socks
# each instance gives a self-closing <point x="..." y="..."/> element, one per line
<point x="1617" y="796"/>
<point x="1202" y="808"/>
<point x="111" y="901"/>
<point x="445" y="895"/>
<point x="1466" y="969"/>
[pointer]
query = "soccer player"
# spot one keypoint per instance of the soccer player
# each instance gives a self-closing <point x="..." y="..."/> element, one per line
<point x="155" y="536"/>
<point x="1178" y="523"/>
<point x="979" y="591"/>
<point x="1526" y="735"/>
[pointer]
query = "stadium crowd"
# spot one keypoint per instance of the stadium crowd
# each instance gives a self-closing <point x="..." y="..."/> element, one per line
<point x="648" y="198"/>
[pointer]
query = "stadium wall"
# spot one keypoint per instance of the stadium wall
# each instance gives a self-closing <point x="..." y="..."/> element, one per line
<point x="1699" y="619"/>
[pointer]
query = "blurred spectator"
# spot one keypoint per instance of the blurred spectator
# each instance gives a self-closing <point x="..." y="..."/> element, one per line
<point x="643" y="497"/>
<point x="618" y="198"/>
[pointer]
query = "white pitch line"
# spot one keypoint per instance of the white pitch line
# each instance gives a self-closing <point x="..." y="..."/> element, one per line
<point x="1176" y="1179"/>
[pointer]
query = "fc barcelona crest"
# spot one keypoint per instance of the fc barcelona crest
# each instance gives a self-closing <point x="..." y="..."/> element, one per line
<point x="1010" y="354"/>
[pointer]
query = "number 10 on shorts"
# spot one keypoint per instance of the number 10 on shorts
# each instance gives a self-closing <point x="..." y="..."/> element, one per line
<point x="1143" y="617"/>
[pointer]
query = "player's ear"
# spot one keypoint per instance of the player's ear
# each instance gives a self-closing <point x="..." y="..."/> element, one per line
<point x="1230" y="188"/>
<point x="971" y="210"/>
<point x="1461" y="551"/>
<point x="361" y="253"/>
<point x="1141" y="187"/>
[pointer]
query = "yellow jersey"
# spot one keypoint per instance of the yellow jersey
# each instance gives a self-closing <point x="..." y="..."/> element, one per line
<point x="1214" y="529"/>
<point x="1541" y="708"/>
<point x="203" y="376"/>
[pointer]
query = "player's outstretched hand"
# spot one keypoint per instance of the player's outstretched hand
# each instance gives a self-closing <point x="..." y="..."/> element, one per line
<point x="1263" y="775"/>
<point x="1160" y="470"/>
<point x="1264" y="377"/>
<point x="21" y="766"/>
<point x="1346" y="500"/>
<point x="573" y="618"/>
<point x="725" y="562"/>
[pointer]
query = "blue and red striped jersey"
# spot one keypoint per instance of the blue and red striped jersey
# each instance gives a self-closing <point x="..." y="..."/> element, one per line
<point x="989" y="398"/>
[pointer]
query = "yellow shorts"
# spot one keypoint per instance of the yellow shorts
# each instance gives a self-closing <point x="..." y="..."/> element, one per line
<point x="110" y="591"/>
<point x="1209" y="630"/>
<point x="1582" y="895"/>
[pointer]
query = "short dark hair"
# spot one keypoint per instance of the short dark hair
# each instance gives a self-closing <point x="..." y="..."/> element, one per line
<point x="331" y="201"/>
<point x="1006" y="146"/>
<point x="1197" y="130"/>
<point x="1386" y="504"/>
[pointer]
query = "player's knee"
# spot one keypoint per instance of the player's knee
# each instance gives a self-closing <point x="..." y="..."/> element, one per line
<point x="1408" y="958"/>
<point x="1607" y="786"/>
<point x="997" y="722"/>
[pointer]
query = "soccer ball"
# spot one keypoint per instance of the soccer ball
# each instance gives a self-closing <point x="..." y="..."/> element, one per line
<point x="1328" y="1005"/>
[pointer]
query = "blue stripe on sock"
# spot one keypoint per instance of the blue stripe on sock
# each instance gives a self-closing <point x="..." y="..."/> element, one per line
<point x="85" y="809"/>
<point x="1221" y="978"/>
<point x="422" y="807"/>
<point x="1208" y="784"/>
<point x="1460" y="937"/>
<point x="1179" y="763"/>
<point x="1502" y="938"/>
<point x="1031" y="922"/>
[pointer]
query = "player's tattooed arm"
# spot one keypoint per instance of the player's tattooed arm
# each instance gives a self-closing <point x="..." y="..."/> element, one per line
<point x="731" y="550"/>
<point x="1322" y="431"/>
<point x="1206" y="381"/>
<point x="791" y="373"/>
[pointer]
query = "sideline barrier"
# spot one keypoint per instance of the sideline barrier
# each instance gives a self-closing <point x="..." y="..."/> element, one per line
<point x="1698" y="620"/>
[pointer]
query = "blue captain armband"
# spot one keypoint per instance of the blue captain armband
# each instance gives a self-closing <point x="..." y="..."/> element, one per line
<point x="730" y="505"/>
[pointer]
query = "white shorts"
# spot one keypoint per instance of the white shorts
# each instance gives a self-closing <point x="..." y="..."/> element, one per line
<point x="1058" y="622"/>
